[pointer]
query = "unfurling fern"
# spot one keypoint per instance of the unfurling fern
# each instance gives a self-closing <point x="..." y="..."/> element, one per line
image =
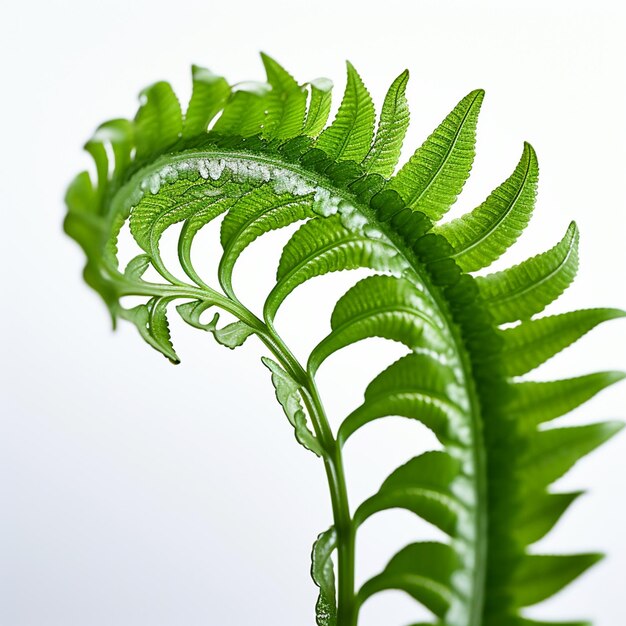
<point x="262" y="157"/>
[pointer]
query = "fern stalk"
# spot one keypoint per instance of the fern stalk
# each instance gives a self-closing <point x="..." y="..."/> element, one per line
<point x="333" y="463"/>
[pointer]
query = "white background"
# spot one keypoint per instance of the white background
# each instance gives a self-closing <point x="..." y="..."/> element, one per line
<point x="136" y="493"/>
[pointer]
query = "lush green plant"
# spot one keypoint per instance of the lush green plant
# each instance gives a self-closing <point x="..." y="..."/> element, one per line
<point x="268" y="161"/>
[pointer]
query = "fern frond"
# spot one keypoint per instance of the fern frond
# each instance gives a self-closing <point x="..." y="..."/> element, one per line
<point x="424" y="571"/>
<point x="434" y="176"/>
<point x="540" y="576"/>
<point x="319" y="106"/>
<point x="245" y="111"/>
<point x="159" y="120"/>
<point x="380" y="306"/>
<point x="521" y="291"/>
<point x="540" y="514"/>
<point x="392" y="126"/>
<point x="482" y="236"/>
<point x="288" y="395"/>
<point x="260" y="157"/>
<point x="324" y="245"/>
<point x="533" y="342"/>
<point x="551" y="453"/>
<point x="418" y="387"/>
<point x="350" y="135"/>
<point x="323" y="575"/>
<point x="286" y="102"/>
<point x="208" y="98"/>
<point x="534" y="403"/>
<point x="422" y="486"/>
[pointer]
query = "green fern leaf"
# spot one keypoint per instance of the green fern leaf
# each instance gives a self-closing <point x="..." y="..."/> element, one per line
<point x="196" y="220"/>
<point x="159" y="121"/>
<point x="434" y="176"/>
<point x="379" y="306"/>
<point x="192" y="311"/>
<point x="259" y="212"/>
<point x="233" y="335"/>
<point x="137" y="267"/>
<point x="553" y="452"/>
<point x="325" y="245"/>
<point x="156" y="212"/>
<point x="541" y="576"/>
<point x="323" y="574"/>
<point x="288" y="395"/>
<point x="119" y="134"/>
<point x="533" y="403"/>
<point x="319" y="106"/>
<point x="83" y="224"/>
<point x="418" y="387"/>
<point x="210" y="93"/>
<point x="98" y="152"/>
<point x="423" y="486"/>
<point x="540" y="513"/>
<point x="349" y="137"/>
<point x="482" y="236"/>
<point x="522" y="291"/>
<point x="533" y="342"/>
<point x="394" y="122"/>
<point x="151" y="321"/>
<point x="286" y="102"/>
<point x="423" y="570"/>
<point x="245" y="111"/>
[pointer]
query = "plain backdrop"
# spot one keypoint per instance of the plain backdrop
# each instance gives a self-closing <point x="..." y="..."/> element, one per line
<point x="135" y="493"/>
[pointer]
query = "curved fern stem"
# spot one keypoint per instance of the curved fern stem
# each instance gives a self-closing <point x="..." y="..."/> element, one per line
<point x="347" y="609"/>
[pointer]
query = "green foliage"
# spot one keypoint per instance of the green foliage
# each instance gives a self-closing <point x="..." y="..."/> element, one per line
<point x="424" y="571"/>
<point x="418" y="387"/>
<point x="384" y="154"/>
<point x="379" y="306"/>
<point x="209" y="96"/>
<point x="260" y="156"/>
<point x="288" y="395"/>
<point x="349" y="137"/>
<point x="533" y="342"/>
<point x="323" y="575"/>
<point x="483" y="235"/>
<point x="158" y="122"/>
<point x="434" y="176"/>
<point x="520" y="292"/>
<point x="319" y="106"/>
<point x="422" y="486"/>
